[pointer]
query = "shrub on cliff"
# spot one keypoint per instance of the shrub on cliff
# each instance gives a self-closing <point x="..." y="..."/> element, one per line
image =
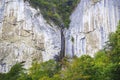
<point x="58" y="11"/>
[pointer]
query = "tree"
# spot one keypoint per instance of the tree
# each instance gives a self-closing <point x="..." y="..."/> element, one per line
<point x="113" y="51"/>
<point x="102" y="66"/>
<point x="80" y="69"/>
<point x="40" y="71"/>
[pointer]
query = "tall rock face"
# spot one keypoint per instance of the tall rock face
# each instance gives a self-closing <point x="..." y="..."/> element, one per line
<point x="91" y="23"/>
<point x="25" y="35"/>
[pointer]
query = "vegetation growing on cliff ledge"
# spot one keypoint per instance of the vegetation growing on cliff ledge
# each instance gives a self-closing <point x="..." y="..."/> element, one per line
<point x="58" y="11"/>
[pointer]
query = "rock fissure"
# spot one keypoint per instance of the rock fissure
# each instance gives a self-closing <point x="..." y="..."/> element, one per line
<point x="62" y="52"/>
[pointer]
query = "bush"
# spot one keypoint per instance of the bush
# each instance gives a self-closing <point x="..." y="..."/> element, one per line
<point x="14" y="73"/>
<point x="44" y="70"/>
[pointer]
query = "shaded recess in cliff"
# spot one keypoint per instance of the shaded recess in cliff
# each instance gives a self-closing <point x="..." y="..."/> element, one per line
<point x="58" y="12"/>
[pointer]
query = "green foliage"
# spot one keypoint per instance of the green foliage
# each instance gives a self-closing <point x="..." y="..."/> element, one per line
<point x="113" y="45"/>
<point x="58" y="11"/>
<point x="2" y="76"/>
<point x="80" y="69"/>
<point x="44" y="70"/>
<point x="24" y="76"/>
<point x="14" y="73"/>
<point x="102" y="64"/>
<point x="113" y="51"/>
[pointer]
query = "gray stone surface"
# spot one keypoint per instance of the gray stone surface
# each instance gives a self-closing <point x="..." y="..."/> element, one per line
<point x="25" y="35"/>
<point x="91" y="23"/>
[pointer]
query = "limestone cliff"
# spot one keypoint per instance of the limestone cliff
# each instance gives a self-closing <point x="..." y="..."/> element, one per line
<point x="25" y="35"/>
<point x="91" y="23"/>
